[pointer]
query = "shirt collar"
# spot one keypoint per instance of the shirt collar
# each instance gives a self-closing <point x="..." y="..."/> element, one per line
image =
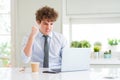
<point x="41" y="35"/>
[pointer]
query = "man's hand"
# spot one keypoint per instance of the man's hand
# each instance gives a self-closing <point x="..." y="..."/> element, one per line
<point x="28" y="47"/>
<point x="34" y="31"/>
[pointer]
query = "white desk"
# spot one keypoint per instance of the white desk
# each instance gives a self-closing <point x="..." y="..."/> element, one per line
<point x="112" y="61"/>
<point x="102" y="63"/>
<point x="93" y="74"/>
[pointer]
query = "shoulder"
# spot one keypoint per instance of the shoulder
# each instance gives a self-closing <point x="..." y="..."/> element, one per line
<point x="60" y="38"/>
<point x="58" y="35"/>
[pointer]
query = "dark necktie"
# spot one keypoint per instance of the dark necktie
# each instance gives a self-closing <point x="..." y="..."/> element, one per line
<point x="46" y="53"/>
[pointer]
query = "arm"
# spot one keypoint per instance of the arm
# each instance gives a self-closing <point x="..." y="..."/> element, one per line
<point x="64" y="45"/>
<point x="28" y="47"/>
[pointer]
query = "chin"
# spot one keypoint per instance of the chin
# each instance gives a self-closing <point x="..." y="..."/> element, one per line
<point x="47" y="33"/>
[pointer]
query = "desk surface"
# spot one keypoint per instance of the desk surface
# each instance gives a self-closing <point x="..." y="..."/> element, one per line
<point x="112" y="61"/>
<point x="92" y="74"/>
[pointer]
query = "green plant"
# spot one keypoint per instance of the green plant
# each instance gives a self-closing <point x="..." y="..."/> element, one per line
<point x="97" y="48"/>
<point x="107" y="52"/>
<point x="81" y="44"/>
<point x="75" y="44"/>
<point x="113" y="42"/>
<point x="84" y="44"/>
<point x="5" y="48"/>
<point x="5" y="52"/>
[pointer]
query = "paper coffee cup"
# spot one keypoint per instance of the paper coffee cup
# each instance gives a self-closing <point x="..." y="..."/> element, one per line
<point x="35" y="66"/>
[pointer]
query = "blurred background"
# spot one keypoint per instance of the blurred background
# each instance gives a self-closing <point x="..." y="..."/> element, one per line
<point x="85" y="20"/>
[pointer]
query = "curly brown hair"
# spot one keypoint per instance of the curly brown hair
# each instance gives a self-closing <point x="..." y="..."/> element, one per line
<point x="46" y="13"/>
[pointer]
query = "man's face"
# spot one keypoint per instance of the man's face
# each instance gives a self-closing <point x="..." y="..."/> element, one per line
<point x="46" y="27"/>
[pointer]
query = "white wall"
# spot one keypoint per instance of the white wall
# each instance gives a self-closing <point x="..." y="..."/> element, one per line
<point x="24" y="17"/>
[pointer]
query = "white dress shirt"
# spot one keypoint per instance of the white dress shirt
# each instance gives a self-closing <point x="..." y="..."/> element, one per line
<point x="57" y="43"/>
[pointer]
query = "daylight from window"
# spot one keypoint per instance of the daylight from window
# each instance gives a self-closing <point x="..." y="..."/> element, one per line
<point x="93" y="33"/>
<point x="5" y="33"/>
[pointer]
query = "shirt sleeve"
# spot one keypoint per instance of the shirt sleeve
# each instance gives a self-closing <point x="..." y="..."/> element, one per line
<point x="64" y="45"/>
<point x="25" y="58"/>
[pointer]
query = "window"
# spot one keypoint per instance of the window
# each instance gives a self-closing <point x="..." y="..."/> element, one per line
<point x="94" y="31"/>
<point x="5" y="32"/>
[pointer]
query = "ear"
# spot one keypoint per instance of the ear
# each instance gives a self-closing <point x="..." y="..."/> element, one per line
<point x="38" y="22"/>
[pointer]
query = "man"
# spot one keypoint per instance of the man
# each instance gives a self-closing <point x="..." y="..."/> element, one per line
<point x="34" y="46"/>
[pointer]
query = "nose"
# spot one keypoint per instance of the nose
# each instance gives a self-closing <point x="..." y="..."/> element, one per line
<point x="48" y="26"/>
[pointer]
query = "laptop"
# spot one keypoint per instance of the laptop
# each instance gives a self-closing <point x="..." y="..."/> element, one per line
<point x="74" y="59"/>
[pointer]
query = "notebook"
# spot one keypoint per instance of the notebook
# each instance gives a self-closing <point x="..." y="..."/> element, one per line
<point x="74" y="59"/>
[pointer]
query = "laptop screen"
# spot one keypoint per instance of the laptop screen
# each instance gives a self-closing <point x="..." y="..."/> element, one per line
<point x="74" y="59"/>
